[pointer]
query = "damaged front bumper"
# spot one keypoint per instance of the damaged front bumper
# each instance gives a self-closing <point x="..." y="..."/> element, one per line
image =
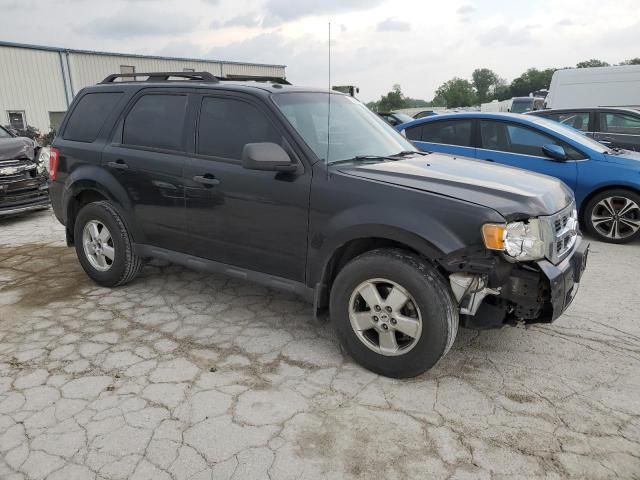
<point x="22" y="187"/>
<point x="492" y="292"/>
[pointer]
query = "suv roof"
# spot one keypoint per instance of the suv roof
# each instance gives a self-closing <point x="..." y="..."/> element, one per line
<point x="270" y="85"/>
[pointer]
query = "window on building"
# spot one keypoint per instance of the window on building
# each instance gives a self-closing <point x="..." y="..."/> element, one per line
<point x="17" y="120"/>
<point x="127" y="69"/>
<point x="227" y="125"/>
<point x="156" y="121"/>
<point x="89" y="115"/>
<point x="55" y="120"/>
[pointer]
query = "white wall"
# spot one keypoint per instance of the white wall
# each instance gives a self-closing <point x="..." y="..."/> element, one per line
<point x="31" y="81"/>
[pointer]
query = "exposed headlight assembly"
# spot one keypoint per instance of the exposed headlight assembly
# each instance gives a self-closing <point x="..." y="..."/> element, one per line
<point x="521" y="241"/>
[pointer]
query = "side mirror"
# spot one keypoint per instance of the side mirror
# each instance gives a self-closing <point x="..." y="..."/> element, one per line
<point x="554" y="152"/>
<point x="266" y="156"/>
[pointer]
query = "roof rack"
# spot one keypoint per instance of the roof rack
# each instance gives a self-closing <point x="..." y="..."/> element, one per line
<point x="249" y="78"/>
<point x="164" y="76"/>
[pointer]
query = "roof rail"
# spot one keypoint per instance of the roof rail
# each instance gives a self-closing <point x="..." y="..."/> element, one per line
<point x="250" y="78"/>
<point x="164" y="76"/>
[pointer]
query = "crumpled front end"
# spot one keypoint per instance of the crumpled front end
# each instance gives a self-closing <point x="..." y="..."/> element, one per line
<point x="494" y="288"/>
<point x="23" y="177"/>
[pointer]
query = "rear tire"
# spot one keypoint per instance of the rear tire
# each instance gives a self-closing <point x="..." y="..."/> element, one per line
<point x="104" y="246"/>
<point x="613" y="216"/>
<point x="370" y="327"/>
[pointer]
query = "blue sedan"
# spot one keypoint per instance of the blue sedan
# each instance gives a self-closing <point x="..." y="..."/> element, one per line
<point x="606" y="181"/>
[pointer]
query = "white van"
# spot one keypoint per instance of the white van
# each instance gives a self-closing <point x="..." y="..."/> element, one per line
<point x="595" y="87"/>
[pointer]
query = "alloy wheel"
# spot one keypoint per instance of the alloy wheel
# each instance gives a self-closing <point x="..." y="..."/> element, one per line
<point x="385" y="317"/>
<point x="616" y="217"/>
<point x="98" y="245"/>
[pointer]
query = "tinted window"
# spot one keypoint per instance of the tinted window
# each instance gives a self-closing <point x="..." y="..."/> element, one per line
<point x="227" y="125"/>
<point x="619" y="123"/>
<point x="577" y="120"/>
<point x="512" y="138"/>
<point x="89" y="116"/>
<point x="156" y="121"/>
<point x="414" y="133"/>
<point x="4" y="133"/>
<point x="451" y="132"/>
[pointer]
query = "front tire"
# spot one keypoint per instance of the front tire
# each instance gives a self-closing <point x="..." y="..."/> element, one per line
<point x="393" y="312"/>
<point x="613" y="216"/>
<point x="104" y="246"/>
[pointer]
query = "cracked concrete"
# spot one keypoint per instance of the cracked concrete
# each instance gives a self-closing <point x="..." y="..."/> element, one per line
<point x="183" y="375"/>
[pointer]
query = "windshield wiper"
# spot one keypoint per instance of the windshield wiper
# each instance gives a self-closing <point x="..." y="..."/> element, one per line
<point x="406" y="153"/>
<point x="359" y="158"/>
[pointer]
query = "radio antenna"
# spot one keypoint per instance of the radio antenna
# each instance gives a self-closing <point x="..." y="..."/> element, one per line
<point x="329" y="107"/>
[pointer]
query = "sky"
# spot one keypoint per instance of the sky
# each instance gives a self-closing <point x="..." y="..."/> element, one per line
<point x="375" y="44"/>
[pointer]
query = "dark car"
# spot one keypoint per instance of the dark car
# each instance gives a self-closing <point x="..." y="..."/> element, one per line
<point x="613" y="127"/>
<point x="245" y="178"/>
<point x="424" y="114"/>
<point x="395" y="119"/>
<point x="23" y="178"/>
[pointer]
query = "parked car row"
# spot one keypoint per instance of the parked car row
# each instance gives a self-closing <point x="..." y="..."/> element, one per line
<point x="605" y="181"/>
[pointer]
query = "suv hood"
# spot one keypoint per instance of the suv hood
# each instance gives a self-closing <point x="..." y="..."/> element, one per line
<point x="512" y="192"/>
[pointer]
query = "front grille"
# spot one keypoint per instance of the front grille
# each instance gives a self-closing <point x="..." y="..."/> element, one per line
<point x="560" y="232"/>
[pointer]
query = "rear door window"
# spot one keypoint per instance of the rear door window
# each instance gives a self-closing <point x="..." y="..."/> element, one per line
<point x="89" y="115"/>
<point x="226" y="125"/>
<point x="619" y="123"/>
<point x="156" y="121"/>
<point x="449" y="132"/>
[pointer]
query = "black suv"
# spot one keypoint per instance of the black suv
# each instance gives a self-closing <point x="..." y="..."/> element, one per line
<point x="254" y="180"/>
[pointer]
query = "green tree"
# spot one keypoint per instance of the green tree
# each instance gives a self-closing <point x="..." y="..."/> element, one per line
<point x="456" y="92"/>
<point x="395" y="100"/>
<point x="631" y="61"/>
<point x="530" y="81"/>
<point x="484" y="81"/>
<point x="392" y="100"/>
<point x="594" y="62"/>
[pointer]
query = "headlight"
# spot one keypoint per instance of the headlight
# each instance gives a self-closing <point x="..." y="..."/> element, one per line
<point x="520" y="240"/>
<point x="42" y="161"/>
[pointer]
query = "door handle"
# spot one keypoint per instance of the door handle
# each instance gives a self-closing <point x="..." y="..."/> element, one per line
<point x="119" y="164"/>
<point x="488" y="160"/>
<point x="206" y="179"/>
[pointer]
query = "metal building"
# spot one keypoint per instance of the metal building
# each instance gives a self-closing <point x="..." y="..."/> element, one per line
<point x="38" y="83"/>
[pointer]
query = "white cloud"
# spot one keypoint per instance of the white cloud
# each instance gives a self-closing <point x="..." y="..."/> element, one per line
<point x="445" y="39"/>
<point x="393" y="25"/>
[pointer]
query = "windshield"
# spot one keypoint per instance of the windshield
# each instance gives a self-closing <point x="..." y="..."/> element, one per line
<point x="569" y="132"/>
<point x="354" y="131"/>
<point x="521" y="106"/>
<point x="4" y="133"/>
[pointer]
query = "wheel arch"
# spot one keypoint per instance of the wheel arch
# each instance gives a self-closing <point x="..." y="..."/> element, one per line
<point x="363" y="240"/>
<point x="93" y="184"/>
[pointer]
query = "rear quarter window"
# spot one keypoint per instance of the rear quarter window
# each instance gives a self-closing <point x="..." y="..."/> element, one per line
<point x="89" y="115"/>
